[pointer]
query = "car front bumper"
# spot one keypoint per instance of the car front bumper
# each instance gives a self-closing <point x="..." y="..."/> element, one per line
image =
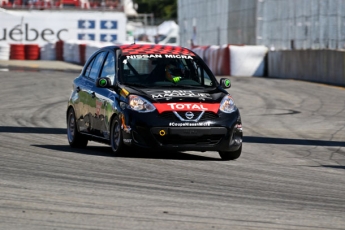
<point x="224" y="133"/>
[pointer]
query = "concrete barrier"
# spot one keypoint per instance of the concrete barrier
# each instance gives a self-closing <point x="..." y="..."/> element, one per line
<point x="324" y="66"/>
<point x="248" y="60"/>
<point x="200" y="51"/>
<point x="234" y="60"/>
<point x="223" y="65"/>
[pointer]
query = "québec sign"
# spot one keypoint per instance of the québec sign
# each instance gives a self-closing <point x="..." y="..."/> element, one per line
<point x="40" y="27"/>
<point x="17" y="34"/>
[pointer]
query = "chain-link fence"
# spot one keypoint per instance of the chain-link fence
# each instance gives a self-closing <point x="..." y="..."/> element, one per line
<point x="301" y="24"/>
<point x="278" y="24"/>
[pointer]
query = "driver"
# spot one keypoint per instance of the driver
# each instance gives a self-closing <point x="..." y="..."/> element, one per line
<point x="174" y="72"/>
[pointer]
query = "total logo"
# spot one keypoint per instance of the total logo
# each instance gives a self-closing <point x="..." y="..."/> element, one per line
<point x="175" y="106"/>
<point x="162" y="107"/>
<point x="88" y="30"/>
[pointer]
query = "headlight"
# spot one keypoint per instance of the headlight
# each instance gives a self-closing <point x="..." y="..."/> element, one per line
<point x="140" y="104"/>
<point x="227" y="105"/>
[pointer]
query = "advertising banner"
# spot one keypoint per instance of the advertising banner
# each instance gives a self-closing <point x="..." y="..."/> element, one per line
<point x="41" y="27"/>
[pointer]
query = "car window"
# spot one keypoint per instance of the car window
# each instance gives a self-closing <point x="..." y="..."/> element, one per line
<point x="165" y="70"/>
<point x="97" y="63"/>
<point x="203" y="76"/>
<point x="88" y="69"/>
<point x="108" y="69"/>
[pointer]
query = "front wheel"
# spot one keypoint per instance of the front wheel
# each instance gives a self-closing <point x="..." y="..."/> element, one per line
<point x="116" y="141"/>
<point x="227" y="156"/>
<point x="75" y="139"/>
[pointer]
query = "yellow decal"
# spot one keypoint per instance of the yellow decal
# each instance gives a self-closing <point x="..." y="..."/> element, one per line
<point x="162" y="133"/>
<point x="124" y="93"/>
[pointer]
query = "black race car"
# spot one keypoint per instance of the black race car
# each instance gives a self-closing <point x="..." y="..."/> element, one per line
<point x="153" y="96"/>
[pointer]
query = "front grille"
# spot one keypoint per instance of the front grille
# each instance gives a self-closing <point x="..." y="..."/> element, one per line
<point x="172" y="117"/>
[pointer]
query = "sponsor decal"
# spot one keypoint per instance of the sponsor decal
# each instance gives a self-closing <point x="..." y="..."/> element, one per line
<point x="104" y="25"/>
<point x="124" y="92"/>
<point x="179" y="93"/>
<point x="188" y="124"/>
<point x="108" y="37"/>
<point x="33" y="27"/>
<point x="127" y="141"/>
<point x="108" y="24"/>
<point x="86" y="24"/>
<point x="139" y="56"/>
<point x="180" y="106"/>
<point x="162" y="107"/>
<point x="89" y="37"/>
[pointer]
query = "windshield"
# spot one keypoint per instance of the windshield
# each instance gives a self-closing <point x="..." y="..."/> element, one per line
<point x="164" y="71"/>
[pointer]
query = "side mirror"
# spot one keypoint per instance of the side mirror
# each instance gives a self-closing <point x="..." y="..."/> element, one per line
<point x="103" y="82"/>
<point x="225" y="83"/>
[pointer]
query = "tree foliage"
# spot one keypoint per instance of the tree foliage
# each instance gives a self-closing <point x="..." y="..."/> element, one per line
<point x="164" y="9"/>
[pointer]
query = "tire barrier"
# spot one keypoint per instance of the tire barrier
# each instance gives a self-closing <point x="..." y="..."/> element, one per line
<point x="32" y="52"/>
<point x="224" y="60"/>
<point x="59" y="50"/>
<point x="4" y="52"/>
<point x="17" y="52"/>
<point x="48" y="52"/>
<point x="69" y="51"/>
<point x="82" y="48"/>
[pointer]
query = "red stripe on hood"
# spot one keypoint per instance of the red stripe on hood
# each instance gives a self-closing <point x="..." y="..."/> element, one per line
<point x="192" y="106"/>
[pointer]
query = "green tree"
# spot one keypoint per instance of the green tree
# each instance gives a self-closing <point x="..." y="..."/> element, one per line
<point x="163" y="9"/>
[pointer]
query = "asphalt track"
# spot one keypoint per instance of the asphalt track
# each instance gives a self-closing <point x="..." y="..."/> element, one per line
<point x="291" y="174"/>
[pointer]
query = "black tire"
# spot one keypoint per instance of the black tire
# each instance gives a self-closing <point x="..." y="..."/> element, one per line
<point x="116" y="141"/>
<point x="74" y="137"/>
<point x="227" y="156"/>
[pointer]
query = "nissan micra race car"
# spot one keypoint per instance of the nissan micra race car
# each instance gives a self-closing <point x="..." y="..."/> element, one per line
<point x="155" y="97"/>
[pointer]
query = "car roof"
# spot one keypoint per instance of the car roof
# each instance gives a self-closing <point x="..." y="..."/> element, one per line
<point x="154" y="49"/>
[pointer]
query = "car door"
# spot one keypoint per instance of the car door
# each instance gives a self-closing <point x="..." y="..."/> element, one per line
<point x="90" y="111"/>
<point x="80" y="98"/>
<point x="105" y="98"/>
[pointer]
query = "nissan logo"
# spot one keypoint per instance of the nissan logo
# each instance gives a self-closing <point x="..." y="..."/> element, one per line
<point x="189" y="115"/>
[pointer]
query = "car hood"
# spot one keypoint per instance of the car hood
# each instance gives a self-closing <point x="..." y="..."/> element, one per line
<point x="165" y="95"/>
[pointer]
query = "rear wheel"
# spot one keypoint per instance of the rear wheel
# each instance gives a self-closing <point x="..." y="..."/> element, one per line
<point x="227" y="156"/>
<point x="75" y="138"/>
<point x="116" y="141"/>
